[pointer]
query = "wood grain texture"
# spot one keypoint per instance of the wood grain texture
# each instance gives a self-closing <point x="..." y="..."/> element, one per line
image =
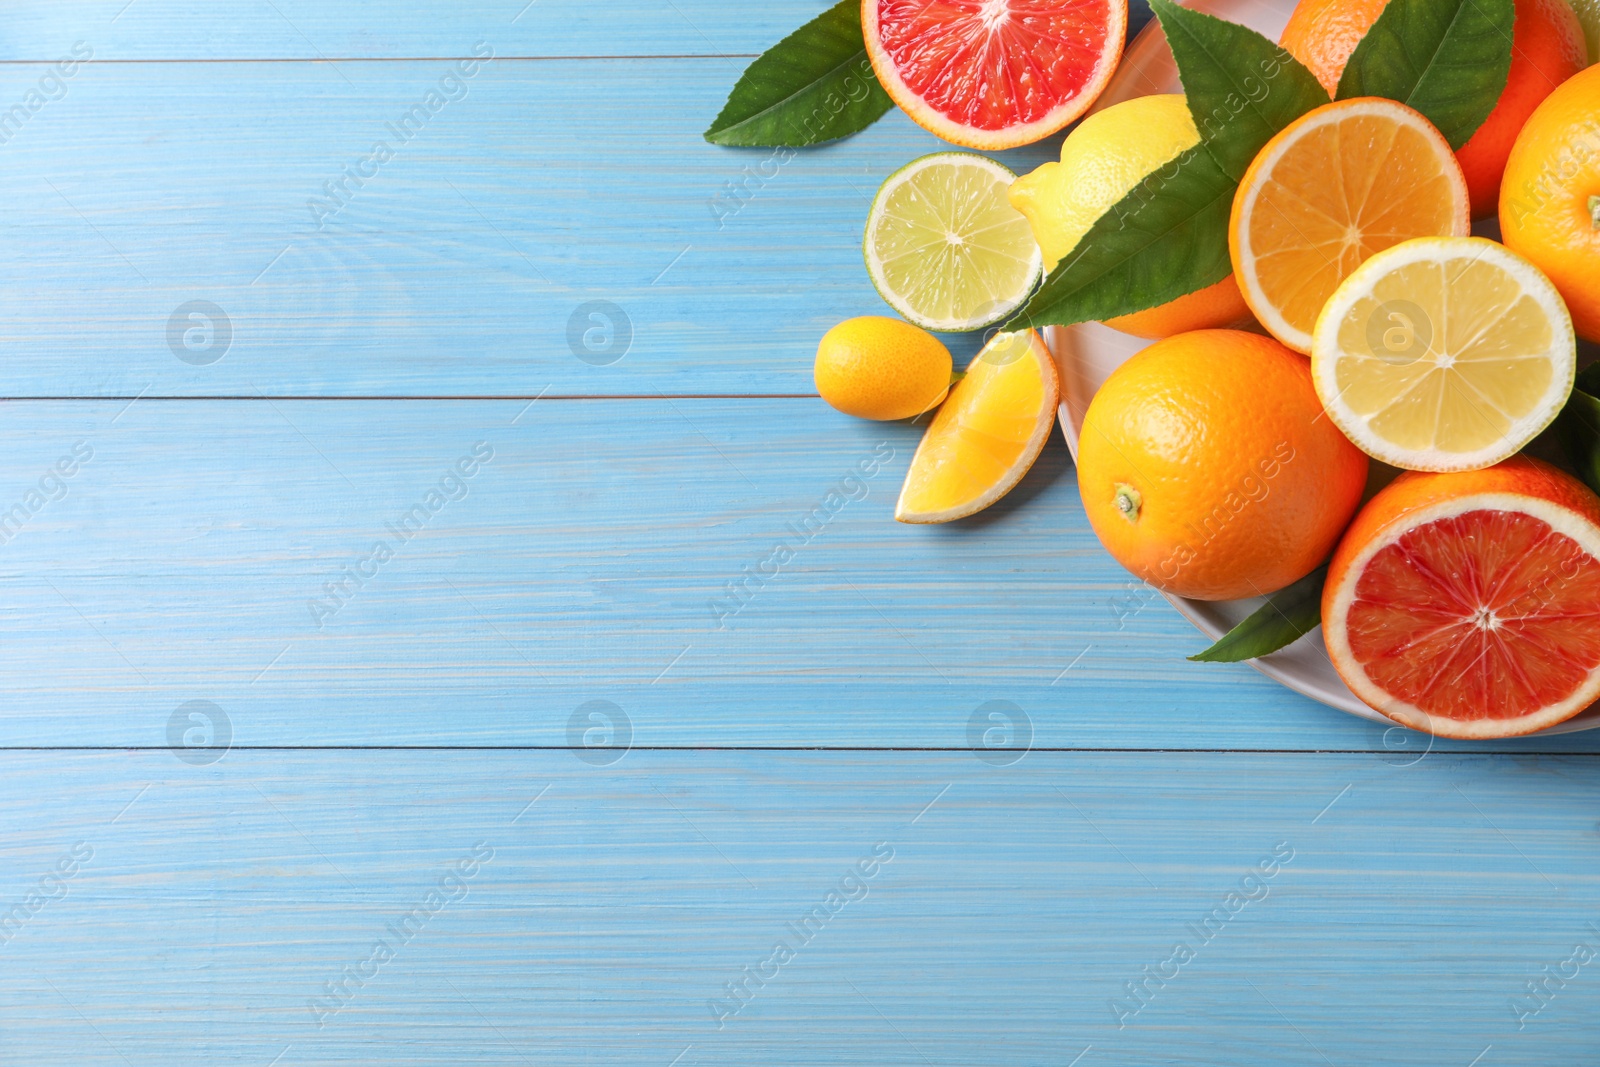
<point x="1017" y="902"/>
<point x="368" y="29"/>
<point x="226" y="551"/>
<point x="166" y="30"/>
<point x="169" y="551"/>
<point x="459" y="267"/>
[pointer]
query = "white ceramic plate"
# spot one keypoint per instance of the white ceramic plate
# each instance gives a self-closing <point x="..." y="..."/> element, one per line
<point x="1087" y="354"/>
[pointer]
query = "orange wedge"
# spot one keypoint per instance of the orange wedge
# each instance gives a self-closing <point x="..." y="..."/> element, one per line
<point x="1333" y="188"/>
<point x="988" y="433"/>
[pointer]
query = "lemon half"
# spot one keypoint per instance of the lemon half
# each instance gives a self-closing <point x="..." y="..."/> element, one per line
<point x="1444" y="354"/>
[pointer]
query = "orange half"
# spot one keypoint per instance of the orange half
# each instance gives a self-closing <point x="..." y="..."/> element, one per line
<point x="1334" y="188"/>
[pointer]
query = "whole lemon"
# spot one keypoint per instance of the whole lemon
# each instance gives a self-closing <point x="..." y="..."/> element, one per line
<point x="874" y="367"/>
<point x="1208" y="469"/>
<point x="1102" y="159"/>
<point x="1550" y="202"/>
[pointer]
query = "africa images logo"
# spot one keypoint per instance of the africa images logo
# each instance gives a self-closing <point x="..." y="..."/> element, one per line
<point x="451" y="486"/>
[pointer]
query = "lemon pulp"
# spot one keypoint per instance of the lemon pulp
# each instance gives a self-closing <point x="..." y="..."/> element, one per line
<point x="1444" y="354"/>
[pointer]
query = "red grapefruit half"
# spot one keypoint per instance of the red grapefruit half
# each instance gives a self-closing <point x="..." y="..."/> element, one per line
<point x="1468" y="604"/>
<point x="994" y="74"/>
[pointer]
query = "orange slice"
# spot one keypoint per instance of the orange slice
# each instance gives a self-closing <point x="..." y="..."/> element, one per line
<point x="1333" y="188"/>
<point x="988" y="433"/>
<point x="1468" y="604"/>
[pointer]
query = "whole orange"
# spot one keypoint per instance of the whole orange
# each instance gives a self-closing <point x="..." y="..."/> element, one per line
<point x="1216" y="305"/>
<point x="1550" y="203"/>
<point x="1547" y="48"/>
<point x="1322" y="33"/>
<point x="1208" y="469"/>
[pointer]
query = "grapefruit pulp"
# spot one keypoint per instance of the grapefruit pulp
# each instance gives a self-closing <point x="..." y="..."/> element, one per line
<point x="1468" y="604"/>
<point x="994" y="74"/>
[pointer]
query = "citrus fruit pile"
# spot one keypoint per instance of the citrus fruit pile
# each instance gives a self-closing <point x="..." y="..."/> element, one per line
<point x="1343" y="380"/>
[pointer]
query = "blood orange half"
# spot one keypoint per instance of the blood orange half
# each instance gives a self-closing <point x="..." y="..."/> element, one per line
<point x="994" y="74"/>
<point x="1468" y="604"/>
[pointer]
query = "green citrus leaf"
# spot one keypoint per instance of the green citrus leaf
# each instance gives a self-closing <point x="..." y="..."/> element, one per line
<point x="1166" y="238"/>
<point x="1169" y="235"/>
<point x="1588" y="379"/>
<point x="1578" y="427"/>
<point x="1241" y="87"/>
<point x="1449" y="59"/>
<point x="1285" y="618"/>
<point x="814" y="85"/>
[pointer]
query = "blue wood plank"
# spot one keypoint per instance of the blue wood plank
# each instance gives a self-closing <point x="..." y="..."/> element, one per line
<point x="1406" y="911"/>
<point x="367" y="29"/>
<point x="483" y="258"/>
<point x="623" y="550"/>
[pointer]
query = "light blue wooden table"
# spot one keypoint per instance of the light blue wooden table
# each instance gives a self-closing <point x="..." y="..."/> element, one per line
<point x="519" y="787"/>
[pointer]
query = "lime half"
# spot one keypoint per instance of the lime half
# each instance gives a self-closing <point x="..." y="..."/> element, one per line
<point x="944" y="246"/>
